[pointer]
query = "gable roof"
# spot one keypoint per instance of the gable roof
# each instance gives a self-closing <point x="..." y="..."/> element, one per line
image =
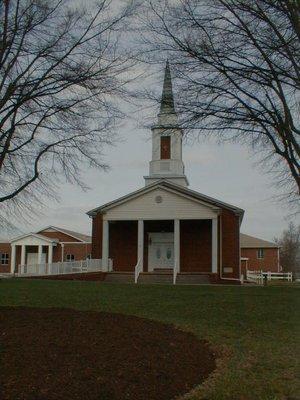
<point x="36" y="235"/>
<point x="247" y="241"/>
<point x="76" y="235"/>
<point x="162" y="183"/>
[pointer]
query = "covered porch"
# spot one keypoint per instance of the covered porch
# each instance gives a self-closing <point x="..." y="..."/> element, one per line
<point x="166" y="227"/>
<point x="31" y="249"/>
<point x="151" y="246"/>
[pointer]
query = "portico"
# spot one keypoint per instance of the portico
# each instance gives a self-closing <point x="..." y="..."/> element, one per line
<point x="161" y="245"/>
<point x="31" y="249"/>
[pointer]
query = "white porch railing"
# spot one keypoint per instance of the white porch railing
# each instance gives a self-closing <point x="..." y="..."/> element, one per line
<point x="60" y="268"/>
<point x="137" y="270"/>
<point x="175" y="272"/>
<point x="255" y="277"/>
<point x="258" y="276"/>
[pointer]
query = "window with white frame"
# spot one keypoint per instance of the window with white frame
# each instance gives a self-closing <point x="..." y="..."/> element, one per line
<point x="70" y="257"/>
<point x="4" y="258"/>
<point x="260" y="253"/>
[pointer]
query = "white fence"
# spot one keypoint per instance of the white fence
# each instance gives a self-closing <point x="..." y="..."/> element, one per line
<point x="60" y="268"/>
<point x="259" y="276"/>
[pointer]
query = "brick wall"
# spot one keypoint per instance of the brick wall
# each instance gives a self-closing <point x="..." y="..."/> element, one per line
<point x="268" y="263"/>
<point x="195" y="246"/>
<point x="5" y="248"/>
<point x="80" y="251"/>
<point x="123" y="245"/>
<point x="230" y="243"/>
<point x="97" y="236"/>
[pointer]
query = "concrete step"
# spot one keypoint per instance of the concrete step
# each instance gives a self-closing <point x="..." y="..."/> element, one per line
<point x="163" y="270"/>
<point x="119" y="277"/>
<point x="154" y="277"/>
<point x="192" y="279"/>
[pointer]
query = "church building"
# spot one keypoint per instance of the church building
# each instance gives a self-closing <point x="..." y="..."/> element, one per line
<point x="165" y="230"/>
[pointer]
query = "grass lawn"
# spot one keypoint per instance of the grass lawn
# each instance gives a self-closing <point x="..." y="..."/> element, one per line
<point x="255" y="330"/>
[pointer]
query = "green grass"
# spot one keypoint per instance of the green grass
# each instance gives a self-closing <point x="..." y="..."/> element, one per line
<point x="255" y="330"/>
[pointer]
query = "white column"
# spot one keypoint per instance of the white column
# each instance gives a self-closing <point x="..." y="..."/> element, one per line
<point x="13" y="258"/>
<point x="23" y="254"/>
<point x="62" y="251"/>
<point x="105" y="245"/>
<point x="214" y="245"/>
<point x="50" y="253"/>
<point x="177" y="242"/>
<point x="40" y="251"/>
<point x="140" y="252"/>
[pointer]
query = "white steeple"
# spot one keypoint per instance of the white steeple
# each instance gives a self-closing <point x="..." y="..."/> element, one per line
<point x="166" y="160"/>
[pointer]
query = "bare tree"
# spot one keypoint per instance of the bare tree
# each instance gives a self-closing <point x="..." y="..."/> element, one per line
<point x="290" y="248"/>
<point x="238" y="64"/>
<point x="62" y="74"/>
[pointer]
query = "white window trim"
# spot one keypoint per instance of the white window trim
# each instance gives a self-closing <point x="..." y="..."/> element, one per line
<point x="70" y="257"/>
<point x="258" y="254"/>
<point x="4" y="260"/>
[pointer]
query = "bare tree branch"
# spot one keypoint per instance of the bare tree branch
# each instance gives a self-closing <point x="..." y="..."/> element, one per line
<point x="238" y="64"/>
<point x="63" y="74"/>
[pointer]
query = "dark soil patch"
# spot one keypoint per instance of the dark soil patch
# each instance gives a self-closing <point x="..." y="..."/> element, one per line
<point x="48" y="354"/>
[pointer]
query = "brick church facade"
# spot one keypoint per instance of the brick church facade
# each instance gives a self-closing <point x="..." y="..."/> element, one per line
<point x="165" y="225"/>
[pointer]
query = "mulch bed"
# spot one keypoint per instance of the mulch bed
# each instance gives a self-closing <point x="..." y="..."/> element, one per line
<point x="48" y="354"/>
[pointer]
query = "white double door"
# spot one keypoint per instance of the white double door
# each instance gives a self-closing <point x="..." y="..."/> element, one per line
<point x="161" y="250"/>
<point x="32" y="258"/>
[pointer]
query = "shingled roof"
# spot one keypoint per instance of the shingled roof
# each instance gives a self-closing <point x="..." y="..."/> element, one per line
<point x="251" y="242"/>
<point x="80" y="236"/>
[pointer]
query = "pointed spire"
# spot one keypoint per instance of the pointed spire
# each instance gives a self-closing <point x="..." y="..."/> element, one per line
<point x="167" y="100"/>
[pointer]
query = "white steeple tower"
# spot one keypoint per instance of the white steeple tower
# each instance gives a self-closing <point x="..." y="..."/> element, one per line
<point x="166" y="160"/>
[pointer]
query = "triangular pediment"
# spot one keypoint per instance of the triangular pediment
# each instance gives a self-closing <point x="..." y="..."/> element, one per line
<point x="188" y="194"/>
<point x="32" y="239"/>
<point x="160" y="202"/>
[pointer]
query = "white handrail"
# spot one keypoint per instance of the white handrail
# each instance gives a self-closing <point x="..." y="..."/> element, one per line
<point x="137" y="270"/>
<point x="175" y="272"/>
